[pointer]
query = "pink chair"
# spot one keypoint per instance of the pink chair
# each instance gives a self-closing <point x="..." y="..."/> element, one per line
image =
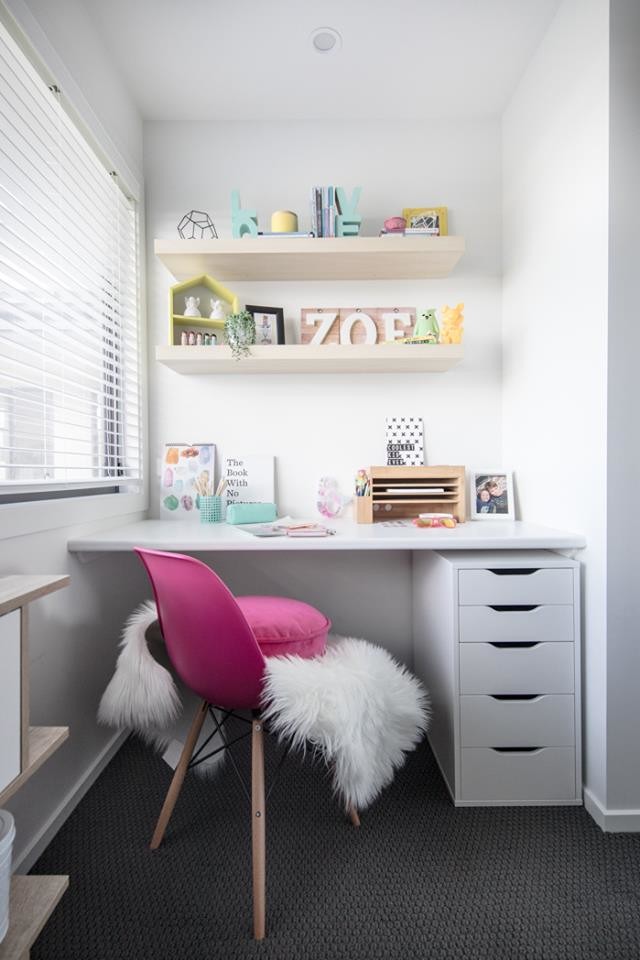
<point x="217" y="644"/>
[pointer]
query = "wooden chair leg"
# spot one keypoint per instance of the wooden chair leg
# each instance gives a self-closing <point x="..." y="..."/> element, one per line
<point x="258" y="849"/>
<point x="353" y="816"/>
<point x="179" y="775"/>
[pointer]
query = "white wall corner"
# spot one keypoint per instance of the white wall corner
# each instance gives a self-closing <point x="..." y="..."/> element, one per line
<point x="611" y="821"/>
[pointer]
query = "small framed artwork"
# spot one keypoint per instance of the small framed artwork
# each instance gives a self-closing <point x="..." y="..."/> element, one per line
<point x="428" y="220"/>
<point x="491" y="495"/>
<point x="269" y="324"/>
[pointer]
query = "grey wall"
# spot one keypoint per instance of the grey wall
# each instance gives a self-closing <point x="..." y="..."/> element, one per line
<point x="623" y="447"/>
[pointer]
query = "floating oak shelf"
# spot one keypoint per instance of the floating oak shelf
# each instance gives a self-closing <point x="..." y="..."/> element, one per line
<point x="33" y="900"/>
<point x="328" y="358"/>
<point x="325" y="258"/>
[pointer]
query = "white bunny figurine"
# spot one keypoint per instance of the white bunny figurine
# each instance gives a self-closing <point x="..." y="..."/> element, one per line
<point x="217" y="313"/>
<point x="191" y="305"/>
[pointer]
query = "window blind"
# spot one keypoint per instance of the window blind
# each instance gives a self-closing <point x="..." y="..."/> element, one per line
<point x="70" y="389"/>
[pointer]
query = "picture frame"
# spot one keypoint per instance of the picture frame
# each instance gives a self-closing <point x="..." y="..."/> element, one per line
<point x="491" y="495"/>
<point x="269" y="323"/>
<point x="420" y="217"/>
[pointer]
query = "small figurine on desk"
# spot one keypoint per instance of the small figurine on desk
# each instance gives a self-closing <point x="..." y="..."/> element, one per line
<point x="217" y="311"/>
<point x="191" y="305"/>
<point x="330" y="501"/>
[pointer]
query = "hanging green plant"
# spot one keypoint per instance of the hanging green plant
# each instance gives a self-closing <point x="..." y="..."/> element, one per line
<point x="240" y="333"/>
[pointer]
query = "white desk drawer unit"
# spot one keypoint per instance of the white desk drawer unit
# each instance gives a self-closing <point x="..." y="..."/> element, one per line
<point x="496" y="640"/>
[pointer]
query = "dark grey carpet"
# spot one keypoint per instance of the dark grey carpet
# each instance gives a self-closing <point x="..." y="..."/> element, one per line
<point x="420" y="879"/>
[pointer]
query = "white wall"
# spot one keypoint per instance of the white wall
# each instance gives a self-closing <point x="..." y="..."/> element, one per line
<point x="73" y="633"/>
<point x="332" y="424"/>
<point x="623" y="475"/>
<point x="555" y="203"/>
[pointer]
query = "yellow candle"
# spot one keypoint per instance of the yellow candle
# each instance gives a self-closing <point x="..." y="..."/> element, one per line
<point x="284" y="221"/>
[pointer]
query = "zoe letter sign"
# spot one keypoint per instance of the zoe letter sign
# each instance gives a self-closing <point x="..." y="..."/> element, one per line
<point x="355" y="324"/>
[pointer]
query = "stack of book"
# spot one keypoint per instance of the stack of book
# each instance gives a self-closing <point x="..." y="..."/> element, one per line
<point x="323" y="211"/>
<point x="284" y="234"/>
<point x="412" y="232"/>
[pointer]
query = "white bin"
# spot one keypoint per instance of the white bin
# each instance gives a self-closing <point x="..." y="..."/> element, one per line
<point x="7" y="833"/>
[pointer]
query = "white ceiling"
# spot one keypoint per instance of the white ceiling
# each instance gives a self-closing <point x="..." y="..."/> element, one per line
<point x="244" y="59"/>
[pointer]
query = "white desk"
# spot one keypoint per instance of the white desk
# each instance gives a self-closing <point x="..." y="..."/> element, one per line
<point x="201" y="538"/>
<point x="541" y="733"/>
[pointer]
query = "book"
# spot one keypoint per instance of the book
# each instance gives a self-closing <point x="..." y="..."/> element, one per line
<point x="422" y="231"/>
<point x="292" y="233"/>
<point x="318" y="196"/>
<point x="183" y="466"/>
<point x="250" y="478"/>
<point x="405" y="443"/>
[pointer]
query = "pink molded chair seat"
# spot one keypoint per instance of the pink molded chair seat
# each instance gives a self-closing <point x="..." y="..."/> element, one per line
<point x="285" y="627"/>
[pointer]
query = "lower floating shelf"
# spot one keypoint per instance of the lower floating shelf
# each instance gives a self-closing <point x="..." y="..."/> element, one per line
<point x="33" y="900"/>
<point x="328" y="358"/>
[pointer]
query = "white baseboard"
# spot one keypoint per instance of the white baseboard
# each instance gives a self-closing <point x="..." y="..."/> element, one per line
<point x="611" y="821"/>
<point x="25" y="858"/>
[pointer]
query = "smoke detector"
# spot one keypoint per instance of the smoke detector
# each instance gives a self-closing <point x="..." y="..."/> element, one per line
<point x="326" y="40"/>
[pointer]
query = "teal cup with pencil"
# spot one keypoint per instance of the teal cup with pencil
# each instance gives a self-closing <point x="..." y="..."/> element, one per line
<point x="211" y="504"/>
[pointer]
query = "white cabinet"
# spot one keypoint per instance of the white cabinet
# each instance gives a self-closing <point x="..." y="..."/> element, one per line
<point x="497" y="643"/>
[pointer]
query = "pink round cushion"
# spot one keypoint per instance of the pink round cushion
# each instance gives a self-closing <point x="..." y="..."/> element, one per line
<point x="282" y="626"/>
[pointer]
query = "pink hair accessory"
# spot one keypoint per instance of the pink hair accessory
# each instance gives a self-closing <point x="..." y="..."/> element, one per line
<point x="395" y="224"/>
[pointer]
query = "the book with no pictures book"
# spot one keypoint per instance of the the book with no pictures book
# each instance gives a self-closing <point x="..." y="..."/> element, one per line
<point x="250" y="478"/>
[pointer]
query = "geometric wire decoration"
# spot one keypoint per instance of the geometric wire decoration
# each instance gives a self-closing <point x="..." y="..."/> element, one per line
<point x="197" y="225"/>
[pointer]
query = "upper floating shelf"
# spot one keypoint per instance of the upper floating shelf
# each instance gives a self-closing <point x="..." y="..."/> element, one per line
<point x="325" y="258"/>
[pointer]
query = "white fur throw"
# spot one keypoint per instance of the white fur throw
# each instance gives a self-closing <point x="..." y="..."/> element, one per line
<point x="355" y="706"/>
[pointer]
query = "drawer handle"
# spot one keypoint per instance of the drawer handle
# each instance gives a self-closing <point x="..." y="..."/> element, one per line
<point x="514" y="607"/>
<point x="514" y="644"/>
<point x="516" y="749"/>
<point x="515" y="696"/>
<point x="513" y="571"/>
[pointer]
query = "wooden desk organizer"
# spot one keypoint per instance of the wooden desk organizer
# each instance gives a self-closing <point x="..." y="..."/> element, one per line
<point x="389" y="501"/>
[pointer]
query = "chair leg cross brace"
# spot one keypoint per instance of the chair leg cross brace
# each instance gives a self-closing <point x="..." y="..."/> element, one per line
<point x="258" y="802"/>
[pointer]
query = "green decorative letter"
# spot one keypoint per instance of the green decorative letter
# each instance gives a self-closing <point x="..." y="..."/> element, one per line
<point x="242" y="221"/>
<point x="348" y="221"/>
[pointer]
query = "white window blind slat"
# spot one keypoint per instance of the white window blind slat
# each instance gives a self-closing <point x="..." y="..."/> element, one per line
<point x="70" y="382"/>
<point x="24" y="87"/>
<point x="19" y="220"/>
<point x="45" y="169"/>
<point x="42" y="348"/>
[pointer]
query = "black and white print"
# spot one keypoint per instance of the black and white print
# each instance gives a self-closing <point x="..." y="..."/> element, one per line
<point x="405" y="442"/>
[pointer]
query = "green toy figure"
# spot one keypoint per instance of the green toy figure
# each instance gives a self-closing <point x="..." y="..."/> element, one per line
<point x="427" y="326"/>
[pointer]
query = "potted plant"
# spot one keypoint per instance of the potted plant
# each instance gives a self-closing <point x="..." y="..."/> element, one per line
<point x="240" y="333"/>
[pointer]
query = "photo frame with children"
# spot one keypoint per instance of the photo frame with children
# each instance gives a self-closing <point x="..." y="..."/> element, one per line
<point x="491" y="495"/>
<point x="269" y="324"/>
